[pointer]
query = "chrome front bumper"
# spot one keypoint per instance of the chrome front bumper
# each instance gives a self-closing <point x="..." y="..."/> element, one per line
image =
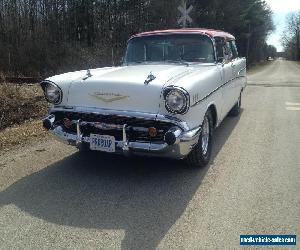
<point x="185" y="141"/>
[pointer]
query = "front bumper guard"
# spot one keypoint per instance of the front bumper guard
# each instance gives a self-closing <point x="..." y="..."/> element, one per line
<point x="184" y="143"/>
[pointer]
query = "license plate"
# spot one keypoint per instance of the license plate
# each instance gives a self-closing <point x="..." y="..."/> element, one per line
<point x="104" y="143"/>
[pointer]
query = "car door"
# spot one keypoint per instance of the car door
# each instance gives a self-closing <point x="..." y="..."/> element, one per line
<point x="237" y="67"/>
<point x="231" y="92"/>
<point x="226" y="69"/>
<point x="238" y="70"/>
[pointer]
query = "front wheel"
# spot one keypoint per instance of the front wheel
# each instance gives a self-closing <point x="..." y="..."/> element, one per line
<point x="201" y="153"/>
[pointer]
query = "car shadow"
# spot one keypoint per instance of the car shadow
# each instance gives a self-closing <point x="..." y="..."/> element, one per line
<point x="142" y="196"/>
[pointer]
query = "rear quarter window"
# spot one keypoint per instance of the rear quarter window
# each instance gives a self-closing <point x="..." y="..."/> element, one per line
<point x="234" y="50"/>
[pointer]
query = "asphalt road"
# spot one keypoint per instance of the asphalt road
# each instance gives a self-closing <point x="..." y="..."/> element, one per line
<point x="54" y="198"/>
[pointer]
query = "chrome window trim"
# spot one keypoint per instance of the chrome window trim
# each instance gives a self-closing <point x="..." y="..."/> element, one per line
<point x="170" y="33"/>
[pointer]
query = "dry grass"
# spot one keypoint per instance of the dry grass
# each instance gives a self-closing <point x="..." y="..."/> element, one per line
<point x="21" y="107"/>
<point x="19" y="103"/>
<point x="21" y="134"/>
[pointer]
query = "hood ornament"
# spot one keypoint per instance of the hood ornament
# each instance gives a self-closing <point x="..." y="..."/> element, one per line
<point x="108" y="97"/>
<point x="88" y="75"/>
<point x="149" y="79"/>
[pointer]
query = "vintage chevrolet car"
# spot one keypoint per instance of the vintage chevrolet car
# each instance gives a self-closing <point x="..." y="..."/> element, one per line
<point x="173" y="89"/>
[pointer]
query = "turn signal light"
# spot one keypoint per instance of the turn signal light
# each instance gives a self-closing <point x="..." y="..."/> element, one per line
<point x="152" y="132"/>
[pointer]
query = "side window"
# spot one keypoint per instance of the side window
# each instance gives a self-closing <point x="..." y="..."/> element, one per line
<point x="234" y="49"/>
<point x="219" y="47"/>
<point x="228" y="52"/>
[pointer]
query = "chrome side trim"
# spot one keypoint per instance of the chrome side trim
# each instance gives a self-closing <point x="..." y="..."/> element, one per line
<point x="239" y="73"/>
<point x="222" y="85"/>
<point x="208" y="95"/>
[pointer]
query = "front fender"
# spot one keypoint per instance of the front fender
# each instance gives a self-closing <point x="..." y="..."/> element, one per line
<point x="203" y="86"/>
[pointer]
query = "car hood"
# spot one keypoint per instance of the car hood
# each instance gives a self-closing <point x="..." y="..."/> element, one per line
<point x="119" y="88"/>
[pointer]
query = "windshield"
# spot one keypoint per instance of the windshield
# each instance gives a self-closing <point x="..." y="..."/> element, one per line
<point x="170" y="48"/>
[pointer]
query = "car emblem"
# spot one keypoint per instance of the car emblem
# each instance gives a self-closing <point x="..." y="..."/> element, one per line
<point x="88" y="75"/>
<point x="149" y="79"/>
<point x="108" y="97"/>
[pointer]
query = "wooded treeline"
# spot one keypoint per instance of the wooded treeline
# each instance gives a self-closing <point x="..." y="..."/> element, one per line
<point x="291" y="36"/>
<point x="44" y="37"/>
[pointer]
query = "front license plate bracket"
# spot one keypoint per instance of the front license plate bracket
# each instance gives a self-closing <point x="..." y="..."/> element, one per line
<point x="105" y="143"/>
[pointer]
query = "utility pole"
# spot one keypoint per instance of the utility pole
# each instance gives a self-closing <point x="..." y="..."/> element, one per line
<point x="248" y="42"/>
<point x="298" y="45"/>
<point x="112" y="47"/>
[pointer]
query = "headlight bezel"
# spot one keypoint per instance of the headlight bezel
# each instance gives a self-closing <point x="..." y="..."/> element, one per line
<point x="45" y="85"/>
<point x="167" y="92"/>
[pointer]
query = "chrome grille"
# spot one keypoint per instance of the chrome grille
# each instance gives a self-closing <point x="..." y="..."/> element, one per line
<point x="137" y="128"/>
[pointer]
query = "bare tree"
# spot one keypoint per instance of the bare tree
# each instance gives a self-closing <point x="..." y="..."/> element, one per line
<point x="291" y="37"/>
<point x="44" y="37"/>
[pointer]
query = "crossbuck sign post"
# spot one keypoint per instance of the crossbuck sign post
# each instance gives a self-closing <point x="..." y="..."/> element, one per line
<point x="184" y="14"/>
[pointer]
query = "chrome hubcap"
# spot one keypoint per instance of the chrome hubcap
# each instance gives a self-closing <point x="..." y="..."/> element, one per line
<point x="205" y="135"/>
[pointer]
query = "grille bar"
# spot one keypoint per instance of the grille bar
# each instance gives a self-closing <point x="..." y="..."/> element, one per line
<point x="137" y="128"/>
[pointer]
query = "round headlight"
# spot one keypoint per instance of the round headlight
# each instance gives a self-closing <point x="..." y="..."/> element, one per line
<point x="52" y="92"/>
<point x="176" y="101"/>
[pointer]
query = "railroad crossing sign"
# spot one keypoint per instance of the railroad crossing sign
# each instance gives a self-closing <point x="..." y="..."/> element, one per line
<point x="184" y="14"/>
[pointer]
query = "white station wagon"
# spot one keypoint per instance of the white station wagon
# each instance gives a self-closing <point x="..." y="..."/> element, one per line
<point x="173" y="89"/>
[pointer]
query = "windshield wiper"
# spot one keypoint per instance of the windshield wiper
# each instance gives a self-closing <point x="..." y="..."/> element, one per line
<point x="165" y="61"/>
<point x="138" y="62"/>
<point x="178" y="61"/>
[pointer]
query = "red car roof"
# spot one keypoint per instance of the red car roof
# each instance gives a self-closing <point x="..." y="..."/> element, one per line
<point x="209" y="32"/>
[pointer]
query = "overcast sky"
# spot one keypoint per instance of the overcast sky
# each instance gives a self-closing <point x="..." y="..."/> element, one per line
<point x="280" y="9"/>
